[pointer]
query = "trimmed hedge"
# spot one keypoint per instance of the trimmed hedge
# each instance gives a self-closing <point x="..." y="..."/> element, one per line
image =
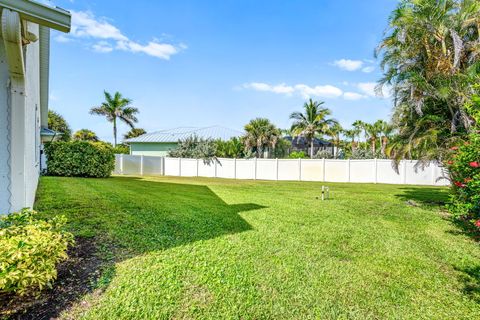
<point x="79" y="159"/>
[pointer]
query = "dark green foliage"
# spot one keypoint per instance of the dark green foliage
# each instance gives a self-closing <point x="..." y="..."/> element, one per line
<point x="80" y="159"/>
<point x="57" y="123"/>
<point x="233" y="148"/>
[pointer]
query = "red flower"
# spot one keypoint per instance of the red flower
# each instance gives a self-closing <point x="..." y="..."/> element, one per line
<point x="454" y="148"/>
<point x="450" y="162"/>
<point x="459" y="184"/>
<point x="477" y="223"/>
<point x="474" y="164"/>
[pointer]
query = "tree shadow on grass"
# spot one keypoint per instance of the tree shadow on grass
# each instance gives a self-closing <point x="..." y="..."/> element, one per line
<point x="129" y="216"/>
<point x="425" y="196"/>
<point x="471" y="280"/>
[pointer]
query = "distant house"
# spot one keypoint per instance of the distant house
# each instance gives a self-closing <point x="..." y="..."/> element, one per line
<point x="24" y="78"/>
<point x="301" y="143"/>
<point x="159" y="143"/>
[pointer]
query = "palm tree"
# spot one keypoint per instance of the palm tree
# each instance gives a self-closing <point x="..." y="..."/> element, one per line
<point x="312" y="122"/>
<point x="359" y="125"/>
<point x="373" y="132"/>
<point x="386" y="131"/>
<point x="116" y="107"/>
<point x="334" y="132"/>
<point x="85" y="135"/>
<point x="261" y="135"/>
<point x="352" y="134"/>
<point x="430" y="57"/>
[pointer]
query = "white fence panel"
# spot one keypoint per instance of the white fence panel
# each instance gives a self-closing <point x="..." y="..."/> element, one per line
<point x="152" y="166"/>
<point x="267" y="169"/>
<point x="246" y="169"/>
<point x="361" y="171"/>
<point x="312" y="170"/>
<point x="172" y="167"/>
<point x="289" y="169"/>
<point x="118" y="164"/>
<point x="336" y="170"/>
<point x="226" y="168"/>
<point x="188" y="168"/>
<point x="206" y="169"/>
<point x="386" y="173"/>
<point x="131" y="165"/>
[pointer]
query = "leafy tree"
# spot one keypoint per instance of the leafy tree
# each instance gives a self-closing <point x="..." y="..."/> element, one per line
<point x="57" y="123"/>
<point x="430" y="57"/>
<point x="312" y="122"/>
<point x="116" y="107"/>
<point x="196" y="148"/>
<point x="261" y="135"/>
<point x="134" y="132"/>
<point x="233" y="148"/>
<point x="85" y="135"/>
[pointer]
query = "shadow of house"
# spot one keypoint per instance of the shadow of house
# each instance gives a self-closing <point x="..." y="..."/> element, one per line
<point x="125" y="217"/>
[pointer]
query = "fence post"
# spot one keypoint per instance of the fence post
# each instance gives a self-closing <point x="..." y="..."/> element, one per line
<point x="255" y="170"/>
<point x="348" y="170"/>
<point x="276" y="168"/>
<point x="375" y="166"/>
<point x="121" y="164"/>
<point x="300" y="169"/>
<point x="179" y="167"/>
<point x="141" y="165"/>
<point x="324" y="166"/>
<point x="234" y="168"/>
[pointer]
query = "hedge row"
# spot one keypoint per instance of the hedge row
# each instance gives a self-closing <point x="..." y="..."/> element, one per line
<point x="79" y="159"/>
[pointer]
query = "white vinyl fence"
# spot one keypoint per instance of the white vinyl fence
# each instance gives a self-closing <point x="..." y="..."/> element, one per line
<point x="328" y="170"/>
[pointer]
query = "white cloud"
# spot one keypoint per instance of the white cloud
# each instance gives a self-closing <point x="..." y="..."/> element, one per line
<point x="108" y="37"/>
<point x="367" y="88"/>
<point x="326" y="91"/>
<point x="348" y="65"/>
<point x="368" y="69"/>
<point x="353" y="96"/>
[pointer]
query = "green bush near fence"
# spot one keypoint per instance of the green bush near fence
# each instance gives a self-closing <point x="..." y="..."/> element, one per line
<point x="80" y="159"/>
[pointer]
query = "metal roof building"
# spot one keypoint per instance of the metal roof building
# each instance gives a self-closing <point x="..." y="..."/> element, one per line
<point x="159" y="143"/>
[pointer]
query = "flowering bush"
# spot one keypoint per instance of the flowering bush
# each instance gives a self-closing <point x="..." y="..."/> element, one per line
<point x="30" y="249"/>
<point x="464" y="167"/>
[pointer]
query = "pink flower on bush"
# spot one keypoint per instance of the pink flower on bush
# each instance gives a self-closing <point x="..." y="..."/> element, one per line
<point x="454" y="148"/>
<point x="477" y="223"/>
<point x="474" y="164"/>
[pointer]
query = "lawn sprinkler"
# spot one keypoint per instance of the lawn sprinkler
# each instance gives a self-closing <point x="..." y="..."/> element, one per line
<point x="325" y="193"/>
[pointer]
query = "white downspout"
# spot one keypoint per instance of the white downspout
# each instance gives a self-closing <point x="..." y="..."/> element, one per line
<point x="12" y="38"/>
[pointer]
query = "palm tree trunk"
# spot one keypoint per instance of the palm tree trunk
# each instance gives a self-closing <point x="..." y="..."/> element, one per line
<point x="384" y="145"/>
<point x="374" y="142"/>
<point x="115" y="132"/>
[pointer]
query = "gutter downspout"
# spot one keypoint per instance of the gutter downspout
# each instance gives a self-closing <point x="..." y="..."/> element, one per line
<point x="12" y="38"/>
<point x="44" y="35"/>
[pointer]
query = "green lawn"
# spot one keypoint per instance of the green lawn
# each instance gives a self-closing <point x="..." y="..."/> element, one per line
<point x="225" y="249"/>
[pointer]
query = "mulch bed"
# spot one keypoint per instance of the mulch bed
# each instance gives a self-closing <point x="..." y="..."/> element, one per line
<point x="76" y="277"/>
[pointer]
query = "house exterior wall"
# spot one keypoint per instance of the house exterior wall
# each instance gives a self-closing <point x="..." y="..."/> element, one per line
<point x="151" y="149"/>
<point x="15" y="199"/>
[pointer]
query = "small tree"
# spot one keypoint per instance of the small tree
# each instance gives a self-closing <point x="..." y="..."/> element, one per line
<point x="261" y="135"/>
<point x="196" y="148"/>
<point x="57" y="122"/>
<point x="85" y="135"/>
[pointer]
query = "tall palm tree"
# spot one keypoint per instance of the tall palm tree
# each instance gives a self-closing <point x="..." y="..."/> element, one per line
<point x="261" y="135"/>
<point x="373" y="131"/>
<point x="116" y="107"/>
<point x="312" y="122"/>
<point x="430" y="57"/>
<point x="386" y="131"/>
<point x="359" y="125"/>
<point x="334" y="132"/>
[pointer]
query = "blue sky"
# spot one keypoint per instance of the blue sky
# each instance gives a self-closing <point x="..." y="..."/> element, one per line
<point x="223" y="62"/>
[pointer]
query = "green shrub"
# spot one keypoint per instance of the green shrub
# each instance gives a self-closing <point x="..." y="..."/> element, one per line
<point x="30" y="250"/>
<point x="298" y="155"/>
<point x="80" y="159"/>
<point x="121" y="149"/>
